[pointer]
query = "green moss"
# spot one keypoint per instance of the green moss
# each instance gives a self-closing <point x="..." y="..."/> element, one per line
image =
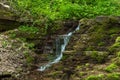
<point x="113" y="76"/>
<point x="54" y="74"/>
<point x="117" y="40"/>
<point x="5" y="43"/>
<point x="112" y="67"/>
<point x="101" y="44"/>
<point x="90" y="48"/>
<point x="113" y="30"/>
<point x="64" y="57"/>
<point x="118" y="54"/>
<point x="30" y="45"/>
<point x="116" y="45"/>
<point x="95" y="77"/>
<point x="99" y="56"/>
<point x="87" y="64"/>
<point x="28" y="29"/>
<point x="29" y="58"/>
<point x="82" y="73"/>
<point x="112" y="35"/>
<point x="116" y="61"/>
<point x="12" y="35"/>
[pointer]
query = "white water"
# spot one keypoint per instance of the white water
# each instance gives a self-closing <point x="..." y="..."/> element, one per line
<point x="4" y="5"/>
<point x="60" y="47"/>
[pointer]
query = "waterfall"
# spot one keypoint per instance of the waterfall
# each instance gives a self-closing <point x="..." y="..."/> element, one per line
<point x="61" y="42"/>
<point x="4" y="5"/>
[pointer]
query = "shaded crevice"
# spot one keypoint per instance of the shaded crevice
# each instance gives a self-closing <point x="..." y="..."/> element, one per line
<point x="2" y="76"/>
<point x="8" y="24"/>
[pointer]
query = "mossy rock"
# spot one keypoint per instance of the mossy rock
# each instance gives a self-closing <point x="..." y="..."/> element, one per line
<point x="117" y="39"/>
<point x="95" y="77"/>
<point x="113" y="76"/>
<point x="116" y="61"/>
<point x="99" y="56"/>
<point x="112" y="67"/>
<point x="116" y="45"/>
<point x="6" y="14"/>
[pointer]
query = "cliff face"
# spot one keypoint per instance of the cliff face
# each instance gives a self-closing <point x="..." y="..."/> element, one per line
<point x="15" y="57"/>
<point x="93" y="53"/>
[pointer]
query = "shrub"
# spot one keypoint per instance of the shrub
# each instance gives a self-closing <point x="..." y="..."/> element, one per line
<point x="42" y="12"/>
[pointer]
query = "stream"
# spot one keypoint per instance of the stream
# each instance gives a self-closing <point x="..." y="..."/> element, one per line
<point x="61" y="43"/>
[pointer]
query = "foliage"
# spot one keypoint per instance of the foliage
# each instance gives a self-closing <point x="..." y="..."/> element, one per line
<point x="45" y="12"/>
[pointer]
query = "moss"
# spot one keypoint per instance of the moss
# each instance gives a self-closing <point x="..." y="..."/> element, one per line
<point x="116" y="45"/>
<point x="30" y="45"/>
<point x="113" y="30"/>
<point x="113" y="76"/>
<point x="87" y="64"/>
<point x="117" y="40"/>
<point x="118" y="54"/>
<point x="82" y="73"/>
<point x="29" y="58"/>
<point x="101" y="44"/>
<point x="90" y="48"/>
<point x="5" y="43"/>
<point x="112" y="67"/>
<point x="64" y="57"/>
<point x="116" y="61"/>
<point x="113" y="35"/>
<point x="99" y="56"/>
<point x="95" y="77"/>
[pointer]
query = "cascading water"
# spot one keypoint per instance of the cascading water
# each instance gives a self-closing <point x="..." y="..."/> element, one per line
<point x="61" y="42"/>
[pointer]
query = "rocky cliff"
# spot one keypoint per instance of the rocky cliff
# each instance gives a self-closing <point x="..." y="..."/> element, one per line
<point x="93" y="53"/>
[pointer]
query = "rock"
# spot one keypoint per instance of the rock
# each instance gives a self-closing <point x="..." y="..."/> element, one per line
<point x="102" y="19"/>
<point x="99" y="56"/>
<point x="6" y="12"/>
<point x="69" y="52"/>
<point x="12" y="59"/>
